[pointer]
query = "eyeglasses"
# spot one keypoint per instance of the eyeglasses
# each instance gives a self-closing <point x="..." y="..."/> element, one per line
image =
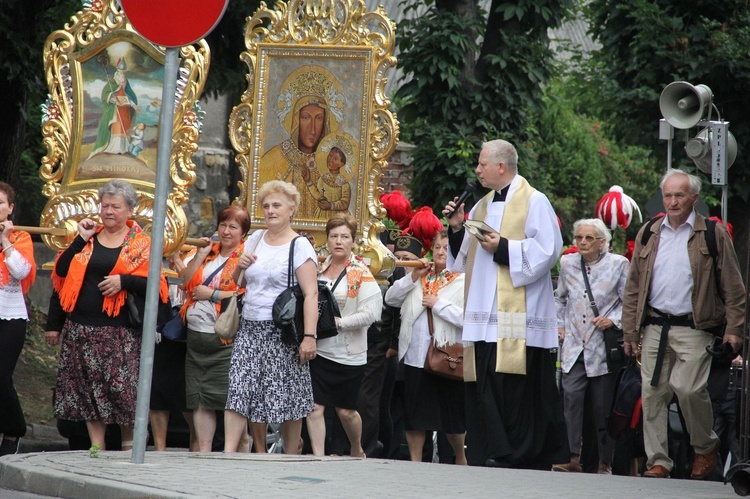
<point x="588" y="239"/>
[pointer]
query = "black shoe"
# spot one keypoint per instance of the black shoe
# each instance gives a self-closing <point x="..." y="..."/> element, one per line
<point x="377" y="451"/>
<point x="9" y="446"/>
<point x="494" y="463"/>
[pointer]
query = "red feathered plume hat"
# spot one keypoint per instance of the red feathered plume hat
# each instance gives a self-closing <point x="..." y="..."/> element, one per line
<point x="397" y="208"/>
<point x="424" y="225"/>
<point x="616" y="208"/>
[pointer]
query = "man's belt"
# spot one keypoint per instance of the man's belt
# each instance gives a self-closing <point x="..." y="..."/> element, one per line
<point x="666" y="321"/>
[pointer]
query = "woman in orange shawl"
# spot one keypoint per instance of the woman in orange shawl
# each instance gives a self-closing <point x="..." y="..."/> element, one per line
<point x="208" y="356"/>
<point x="97" y="379"/>
<point x="17" y="272"/>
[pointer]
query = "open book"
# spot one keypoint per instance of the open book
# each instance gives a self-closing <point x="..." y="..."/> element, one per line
<point x="478" y="229"/>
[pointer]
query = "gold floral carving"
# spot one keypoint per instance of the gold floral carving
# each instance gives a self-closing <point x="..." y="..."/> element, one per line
<point x="90" y="34"/>
<point x="312" y="41"/>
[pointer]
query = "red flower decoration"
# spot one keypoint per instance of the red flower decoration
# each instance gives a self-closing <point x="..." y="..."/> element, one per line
<point x="629" y="252"/>
<point x="616" y="208"/>
<point x="570" y="249"/>
<point x="190" y="118"/>
<point x="53" y="112"/>
<point x="730" y="229"/>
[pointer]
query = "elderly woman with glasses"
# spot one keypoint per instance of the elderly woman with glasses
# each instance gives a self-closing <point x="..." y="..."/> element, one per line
<point x="584" y="362"/>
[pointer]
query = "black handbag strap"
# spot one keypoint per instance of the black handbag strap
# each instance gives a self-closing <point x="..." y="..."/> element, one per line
<point x="208" y="279"/>
<point x="290" y="268"/>
<point x="341" y="276"/>
<point x="588" y="288"/>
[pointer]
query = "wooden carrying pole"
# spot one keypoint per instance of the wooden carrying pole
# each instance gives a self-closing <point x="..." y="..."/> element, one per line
<point x="194" y="241"/>
<point x="399" y="263"/>
<point x="52" y="231"/>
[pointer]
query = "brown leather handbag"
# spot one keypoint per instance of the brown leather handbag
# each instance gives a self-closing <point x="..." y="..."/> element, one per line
<point x="446" y="361"/>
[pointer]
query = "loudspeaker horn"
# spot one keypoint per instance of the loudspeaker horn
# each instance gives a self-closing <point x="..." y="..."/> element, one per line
<point x="683" y="104"/>
<point x="699" y="150"/>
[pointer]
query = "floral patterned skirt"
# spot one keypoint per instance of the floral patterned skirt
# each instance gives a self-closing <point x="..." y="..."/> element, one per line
<point x="267" y="384"/>
<point x="97" y="379"/>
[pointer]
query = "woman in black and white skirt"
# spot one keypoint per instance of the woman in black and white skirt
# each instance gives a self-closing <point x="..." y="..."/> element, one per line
<point x="338" y="368"/>
<point x="269" y="381"/>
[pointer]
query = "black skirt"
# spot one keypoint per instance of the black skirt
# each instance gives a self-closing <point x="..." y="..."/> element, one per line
<point x="334" y="384"/>
<point x="433" y="403"/>
<point x="168" y="383"/>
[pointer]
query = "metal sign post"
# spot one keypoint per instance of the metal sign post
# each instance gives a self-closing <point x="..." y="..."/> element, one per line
<point x="719" y="137"/>
<point x="163" y="186"/>
<point x="172" y="24"/>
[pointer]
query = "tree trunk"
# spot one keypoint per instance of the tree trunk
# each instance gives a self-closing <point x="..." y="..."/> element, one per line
<point x="466" y="9"/>
<point x="12" y="130"/>
<point x="492" y="39"/>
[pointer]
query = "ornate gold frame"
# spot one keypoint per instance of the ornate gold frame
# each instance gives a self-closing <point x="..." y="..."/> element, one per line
<point x="335" y="40"/>
<point x="90" y="33"/>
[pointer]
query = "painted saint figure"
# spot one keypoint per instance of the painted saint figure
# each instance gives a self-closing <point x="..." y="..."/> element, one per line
<point x="119" y="107"/>
<point x="137" y="142"/>
<point x="332" y="191"/>
<point x="310" y="107"/>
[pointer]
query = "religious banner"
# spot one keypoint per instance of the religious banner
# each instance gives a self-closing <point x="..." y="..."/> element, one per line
<point x="101" y="120"/>
<point x="314" y="113"/>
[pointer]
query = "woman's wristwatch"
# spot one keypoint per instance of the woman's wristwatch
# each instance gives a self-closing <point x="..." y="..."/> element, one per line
<point x="311" y="335"/>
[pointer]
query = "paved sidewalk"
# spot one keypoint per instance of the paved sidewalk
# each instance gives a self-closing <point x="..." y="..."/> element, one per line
<point x="42" y="438"/>
<point x="74" y="474"/>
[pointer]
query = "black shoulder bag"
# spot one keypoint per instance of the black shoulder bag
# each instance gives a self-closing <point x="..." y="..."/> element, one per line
<point x="288" y="313"/>
<point x="135" y="307"/>
<point x="612" y="336"/>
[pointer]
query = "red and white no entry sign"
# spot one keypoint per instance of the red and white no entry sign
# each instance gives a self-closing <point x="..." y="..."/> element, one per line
<point x="174" y="23"/>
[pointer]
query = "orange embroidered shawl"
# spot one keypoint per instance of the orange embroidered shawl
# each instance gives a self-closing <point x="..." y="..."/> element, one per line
<point x="226" y="282"/>
<point x="133" y="260"/>
<point x="432" y="281"/>
<point x="21" y="242"/>
<point x="357" y="272"/>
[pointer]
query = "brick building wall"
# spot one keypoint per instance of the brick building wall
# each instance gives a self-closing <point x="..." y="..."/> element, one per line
<point x="397" y="175"/>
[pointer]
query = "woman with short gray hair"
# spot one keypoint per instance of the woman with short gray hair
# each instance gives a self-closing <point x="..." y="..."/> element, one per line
<point x="584" y="361"/>
<point x="97" y="381"/>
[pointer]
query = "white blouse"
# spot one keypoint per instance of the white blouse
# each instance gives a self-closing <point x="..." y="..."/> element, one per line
<point x="11" y="295"/>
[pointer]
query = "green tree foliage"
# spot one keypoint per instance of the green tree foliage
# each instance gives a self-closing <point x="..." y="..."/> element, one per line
<point x="227" y="41"/>
<point x="475" y="77"/>
<point x="578" y="163"/>
<point x="648" y="44"/>
<point x="24" y="27"/>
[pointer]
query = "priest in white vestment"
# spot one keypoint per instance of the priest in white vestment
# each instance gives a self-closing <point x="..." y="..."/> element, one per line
<point x="513" y="409"/>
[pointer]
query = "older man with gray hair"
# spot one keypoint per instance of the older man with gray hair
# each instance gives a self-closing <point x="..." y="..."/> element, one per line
<point x="678" y="298"/>
<point x="514" y="415"/>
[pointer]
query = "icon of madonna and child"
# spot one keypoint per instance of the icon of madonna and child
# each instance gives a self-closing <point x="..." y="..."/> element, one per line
<point x="122" y="88"/>
<point x="317" y="157"/>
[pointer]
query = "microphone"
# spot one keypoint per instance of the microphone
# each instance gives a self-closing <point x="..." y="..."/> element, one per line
<point x="471" y="186"/>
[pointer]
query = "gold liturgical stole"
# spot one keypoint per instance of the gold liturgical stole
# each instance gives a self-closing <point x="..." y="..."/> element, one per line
<point x="511" y="301"/>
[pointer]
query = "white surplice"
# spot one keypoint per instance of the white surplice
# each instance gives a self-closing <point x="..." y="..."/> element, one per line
<point x="531" y="260"/>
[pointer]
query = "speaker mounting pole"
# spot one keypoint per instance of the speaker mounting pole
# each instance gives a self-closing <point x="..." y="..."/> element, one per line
<point x="666" y="132"/>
